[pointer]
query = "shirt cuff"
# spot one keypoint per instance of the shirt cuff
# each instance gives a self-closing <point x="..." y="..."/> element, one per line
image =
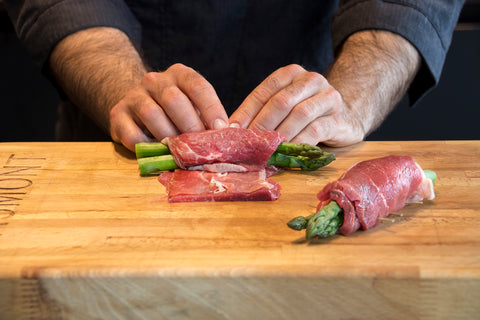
<point x="428" y="26"/>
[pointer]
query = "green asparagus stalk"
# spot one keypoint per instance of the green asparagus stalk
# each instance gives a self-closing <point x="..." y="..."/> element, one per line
<point x="302" y="149"/>
<point x="299" y="223"/>
<point x="326" y="221"/>
<point x="297" y="161"/>
<point x="287" y="155"/>
<point x="154" y="164"/>
<point x="150" y="149"/>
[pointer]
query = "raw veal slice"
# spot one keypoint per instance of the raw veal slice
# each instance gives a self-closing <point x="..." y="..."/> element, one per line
<point x="189" y="186"/>
<point x="243" y="147"/>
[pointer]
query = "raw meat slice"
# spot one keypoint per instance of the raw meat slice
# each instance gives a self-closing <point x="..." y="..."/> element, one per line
<point x="189" y="186"/>
<point x="226" y="167"/>
<point x="243" y="147"/>
<point x="270" y="170"/>
<point x="374" y="188"/>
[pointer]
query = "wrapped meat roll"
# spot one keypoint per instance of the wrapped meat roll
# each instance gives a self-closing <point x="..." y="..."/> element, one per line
<point x="369" y="190"/>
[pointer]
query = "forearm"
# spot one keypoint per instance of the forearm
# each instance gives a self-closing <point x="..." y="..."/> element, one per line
<point x="372" y="72"/>
<point x="96" y="67"/>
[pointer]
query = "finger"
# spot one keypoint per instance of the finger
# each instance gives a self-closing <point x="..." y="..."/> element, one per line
<point x="315" y="132"/>
<point x="322" y="104"/>
<point x="137" y="117"/>
<point x="335" y="130"/>
<point x="155" y="120"/>
<point x="255" y="101"/>
<point x="124" y="129"/>
<point x="329" y="130"/>
<point x="175" y="104"/>
<point x="139" y="105"/>
<point x="285" y="102"/>
<point x="180" y="109"/>
<point x="203" y="96"/>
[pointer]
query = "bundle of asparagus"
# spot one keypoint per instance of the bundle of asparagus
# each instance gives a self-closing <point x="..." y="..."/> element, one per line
<point x="154" y="157"/>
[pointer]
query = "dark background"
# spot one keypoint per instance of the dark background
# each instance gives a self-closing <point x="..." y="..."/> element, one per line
<point x="452" y="111"/>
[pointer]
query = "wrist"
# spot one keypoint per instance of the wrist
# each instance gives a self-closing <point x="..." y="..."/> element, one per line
<point x="372" y="72"/>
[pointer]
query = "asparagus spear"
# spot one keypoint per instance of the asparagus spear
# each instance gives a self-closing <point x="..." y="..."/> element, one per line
<point x="303" y="162"/>
<point x="287" y="155"/>
<point x="150" y="165"/>
<point x="150" y="149"/>
<point x="299" y="223"/>
<point x="326" y="221"/>
<point x="302" y="149"/>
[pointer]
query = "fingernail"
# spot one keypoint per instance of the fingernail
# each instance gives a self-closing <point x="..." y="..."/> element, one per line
<point x="234" y="125"/>
<point x="219" y="124"/>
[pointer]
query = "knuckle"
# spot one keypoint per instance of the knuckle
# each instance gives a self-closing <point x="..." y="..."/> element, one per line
<point x="171" y="95"/>
<point x="282" y="102"/>
<point x="261" y="95"/>
<point x="146" y="111"/>
<point x="176" y="67"/>
<point x="131" y="97"/>
<point x="305" y="110"/>
<point x="296" y="88"/>
<point x="114" y="113"/>
<point x="149" y="78"/>
<point x="315" y="77"/>
<point x="334" y="96"/>
<point x="198" y="85"/>
<point x="315" y="130"/>
<point x="244" y="113"/>
<point x="293" y="68"/>
<point x="273" y="82"/>
<point x="123" y="106"/>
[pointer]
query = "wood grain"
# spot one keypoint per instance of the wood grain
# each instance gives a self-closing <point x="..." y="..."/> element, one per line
<point x="83" y="236"/>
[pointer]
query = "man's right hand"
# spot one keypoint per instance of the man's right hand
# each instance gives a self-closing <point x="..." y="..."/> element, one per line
<point x="102" y="73"/>
<point x="165" y="104"/>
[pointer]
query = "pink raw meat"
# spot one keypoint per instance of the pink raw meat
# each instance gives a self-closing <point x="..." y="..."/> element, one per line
<point x="374" y="188"/>
<point x="189" y="186"/>
<point x="247" y="150"/>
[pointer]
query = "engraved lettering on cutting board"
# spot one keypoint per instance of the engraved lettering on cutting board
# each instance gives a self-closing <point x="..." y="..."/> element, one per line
<point x="15" y="182"/>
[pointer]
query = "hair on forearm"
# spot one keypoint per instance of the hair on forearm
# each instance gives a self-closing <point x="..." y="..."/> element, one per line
<point x="373" y="71"/>
<point x="95" y="68"/>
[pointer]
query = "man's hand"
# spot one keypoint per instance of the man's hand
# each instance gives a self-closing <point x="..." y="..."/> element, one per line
<point x="166" y="104"/>
<point x="370" y="75"/>
<point x="303" y="106"/>
<point x="103" y="74"/>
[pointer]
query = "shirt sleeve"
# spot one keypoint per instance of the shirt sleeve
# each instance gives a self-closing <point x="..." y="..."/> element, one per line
<point x="427" y="24"/>
<point x="41" y="24"/>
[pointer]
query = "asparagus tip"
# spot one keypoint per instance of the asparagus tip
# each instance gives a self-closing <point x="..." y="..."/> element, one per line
<point x="298" y="223"/>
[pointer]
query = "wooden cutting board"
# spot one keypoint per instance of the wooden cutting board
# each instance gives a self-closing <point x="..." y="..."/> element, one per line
<point x="83" y="236"/>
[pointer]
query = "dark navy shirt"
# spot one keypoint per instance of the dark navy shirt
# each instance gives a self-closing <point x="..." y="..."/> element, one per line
<point x="236" y="44"/>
